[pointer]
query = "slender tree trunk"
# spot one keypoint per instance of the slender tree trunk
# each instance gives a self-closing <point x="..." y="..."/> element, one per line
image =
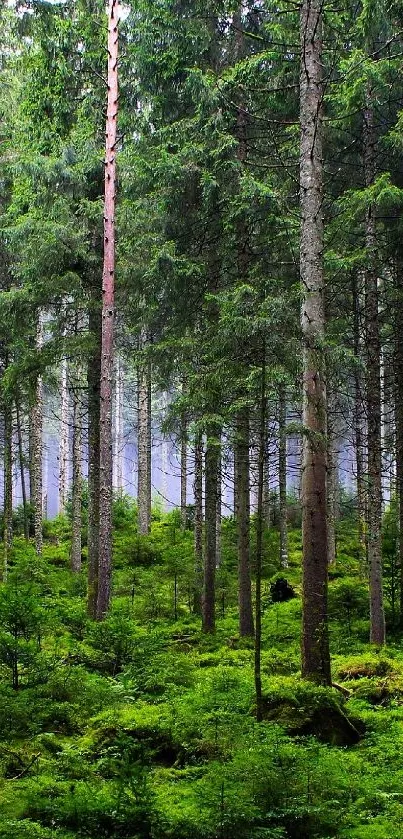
<point x="260" y="525"/>
<point x="8" y="485"/>
<point x="315" y="641"/>
<point x="118" y="428"/>
<point x="64" y="437"/>
<point x="358" y="429"/>
<point x="373" y="394"/>
<point x="36" y="417"/>
<point x="236" y="485"/>
<point x="282" y="474"/>
<point x="198" y="525"/>
<point x="144" y="444"/>
<point x="246" y="627"/>
<point x="399" y="422"/>
<point x="212" y="459"/>
<point x="108" y="290"/>
<point x="332" y="479"/>
<point x="266" y="487"/>
<point x="76" y="486"/>
<point x="93" y="381"/>
<point x="22" y="472"/>
<point x="31" y="460"/>
<point x="184" y="475"/>
<point x="219" y="516"/>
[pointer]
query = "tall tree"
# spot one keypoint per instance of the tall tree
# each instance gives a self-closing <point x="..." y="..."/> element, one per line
<point x="108" y="314"/>
<point x="315" y="641"/>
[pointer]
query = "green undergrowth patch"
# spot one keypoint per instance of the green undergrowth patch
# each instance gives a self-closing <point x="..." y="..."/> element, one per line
<point x="142" y="727"/>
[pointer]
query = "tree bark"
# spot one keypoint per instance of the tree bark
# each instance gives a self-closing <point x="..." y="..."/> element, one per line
<point x="373" y="393"/>
<point x="399" y="423"/>
<point x="76" y="497"/>
<point x="282" y="474"/>
<point x="36" y="417"/>
<point x="108" y="291"/>
<point x="315" y="641"/>
<point x="332" y="479"/>
<point x="198" y="522"/>
<point x="22" y="471"/>
<point x="246" y="627"/>
<point x="118" y="428"/>
<point x="8" y="485"/>
<point x="183" y="470"/>
<point x="144" y="443"/>
<point x="64" y="437"/>
<point x="260" y="525"/>
<point x="93" y="381"/>
<point x="358" y="430"/>
<point x="212" y="460"/>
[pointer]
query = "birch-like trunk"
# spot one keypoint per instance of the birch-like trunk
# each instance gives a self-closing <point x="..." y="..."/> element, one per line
<point x="108" y="313"/>
<point x="64" y="437"/>
<point x="21" y="459"/>
<point x="36" y="428"/>
<point x="315" y="641"/>
<point x="76" y="497"/>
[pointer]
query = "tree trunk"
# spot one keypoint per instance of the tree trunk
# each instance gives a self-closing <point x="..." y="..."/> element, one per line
<point x="36" y="417"/>
<point x="399" y="423"/>
<point x="282" y="474"/>
<point x="218" y="516"/>
<point x="266" y="487"/>
<point x="118" y="428"/>
<point x="198" y="521"/>
<point x="373" y="394"/>
<point x="358" y="429"/>
<point x="260" y="525"/>
<point x="108" y="289"/>
<point x="315" y="641"/>
<point x="332" y="479"/>
<point x="64" y="437"/>
<point x="144" y="443"/>
<point x="246" y="627"/>
<point x="183" y="471"/>
<point x="22" y="472"/>
<point x="8" y="485"/>
<point x="76" y="486"/>
<point x="93" y="381"/>
<point x="212" y="460"/>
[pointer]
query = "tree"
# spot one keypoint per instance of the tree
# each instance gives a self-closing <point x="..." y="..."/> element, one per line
<point x="315" y="642"/>
<point x="108" y="313"/>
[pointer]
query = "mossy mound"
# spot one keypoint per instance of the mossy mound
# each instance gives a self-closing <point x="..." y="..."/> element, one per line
<point x="307" y="710"/>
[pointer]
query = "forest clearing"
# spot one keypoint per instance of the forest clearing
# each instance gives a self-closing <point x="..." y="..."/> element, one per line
<point x="201" y="420"/>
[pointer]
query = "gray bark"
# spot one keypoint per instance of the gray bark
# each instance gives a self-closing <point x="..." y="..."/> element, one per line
<point x="282" y="474"/>
<point x="144" y="443"/>
<point x="315" y="641"/>
<point x="246" y="627"/>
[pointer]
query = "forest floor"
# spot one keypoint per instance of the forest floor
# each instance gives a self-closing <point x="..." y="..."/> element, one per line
<point x="142" y="727"/>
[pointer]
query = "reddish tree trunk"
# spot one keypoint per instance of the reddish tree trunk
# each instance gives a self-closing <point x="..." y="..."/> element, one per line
<point x="108" y="291"/>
